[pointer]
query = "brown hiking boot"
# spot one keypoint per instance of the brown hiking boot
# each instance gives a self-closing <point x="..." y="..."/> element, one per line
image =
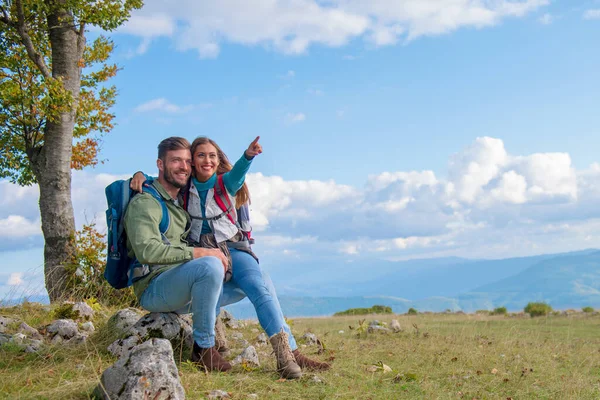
<point x="307" y="363"/>
<point x="220" y="339"/>
<point x="286" y="364"/>
<point x="210" y="359"/>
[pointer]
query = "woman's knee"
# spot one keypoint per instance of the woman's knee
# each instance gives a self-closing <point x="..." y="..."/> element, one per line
<point x="208" y="268"/>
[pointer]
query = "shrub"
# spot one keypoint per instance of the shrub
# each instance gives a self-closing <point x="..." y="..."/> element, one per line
<point x="376" y="309"/>
<point x="483" y="312"/>
<point x="412" y="311"/>
<point x="86" y="272"/>
<point x="499" y="311"/>
<point x="587" y="309"/>
<point x="537" y="309"/>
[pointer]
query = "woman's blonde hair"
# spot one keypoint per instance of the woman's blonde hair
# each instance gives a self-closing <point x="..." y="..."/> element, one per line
<point x="243" y="195"/>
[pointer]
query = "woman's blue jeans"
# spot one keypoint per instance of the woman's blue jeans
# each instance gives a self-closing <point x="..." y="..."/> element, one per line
<point x="197" y="287"/>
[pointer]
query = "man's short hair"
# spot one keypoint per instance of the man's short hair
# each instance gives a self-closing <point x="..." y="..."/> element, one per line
<point x="170" y="144"/>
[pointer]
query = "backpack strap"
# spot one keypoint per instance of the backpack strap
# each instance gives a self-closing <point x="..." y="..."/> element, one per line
<point x="220" y="194"/>
<point x="165" y="221"/>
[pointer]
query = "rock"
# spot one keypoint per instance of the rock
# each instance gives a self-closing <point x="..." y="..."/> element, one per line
<point x="18" y="338"/>
<point x="34" y="346"/>
<point x="341" y="332"/>
<point x="29" y="331"/>
<point x="229" y="321"/>
<point x="4" y="339"/>
<point x="237" y="336"/>
<point x="225" y="315"/>
<point x="123" y="346"/>
<point x="165" y="326"/>
<point x="248" y="356"/>
<point x="57" y="339"/>
<point x="253" y="396"/>
<point x="374" y="323"/>
<point x="124" y="319"/>
<point x="5" y="322"/>
<point x="88" y="326"/>
<point x="66" y="328"/>
<point x="254" y="330"/>
<point x="310" y="338"/>
<point x="84" y="310"/>
<point x="147" y="372"/>
<point x="218" y="394"/>
<point x="262" y="339"/>
<point x="395" y="326"/>
<point x="77" y="339"/>
<point x="377" y="328"/>
<point x="316" y="379"/>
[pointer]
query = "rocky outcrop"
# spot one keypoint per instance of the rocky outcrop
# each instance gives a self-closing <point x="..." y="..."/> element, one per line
<point x="168" y="326"/>
<point x="123" y="320"/>
<point x="65" y="328"/>
<point x="148" y="371"/>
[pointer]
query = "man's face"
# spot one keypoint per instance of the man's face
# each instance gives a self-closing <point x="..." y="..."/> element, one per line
<point x="176" y="167"/>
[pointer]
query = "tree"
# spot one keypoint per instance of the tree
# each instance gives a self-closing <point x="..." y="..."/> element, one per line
<point x="54" y="106"/>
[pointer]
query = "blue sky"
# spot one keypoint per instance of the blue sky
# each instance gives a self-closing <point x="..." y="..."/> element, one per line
<point x="391" y="129"/>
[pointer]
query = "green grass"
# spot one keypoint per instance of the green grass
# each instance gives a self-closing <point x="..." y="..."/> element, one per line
<point x="439" y="356"/>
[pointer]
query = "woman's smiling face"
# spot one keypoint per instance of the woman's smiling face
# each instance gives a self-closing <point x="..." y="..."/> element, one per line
<point x="206" y="161"/>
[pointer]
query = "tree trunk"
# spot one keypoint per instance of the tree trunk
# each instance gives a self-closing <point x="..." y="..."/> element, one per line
<point x="52" y="165"/>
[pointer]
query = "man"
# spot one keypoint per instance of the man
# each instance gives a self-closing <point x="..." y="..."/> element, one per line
<point x="196" y="284"/>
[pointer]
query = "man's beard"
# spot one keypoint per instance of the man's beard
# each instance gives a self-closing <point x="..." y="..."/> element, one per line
<point x="170" y="178"/>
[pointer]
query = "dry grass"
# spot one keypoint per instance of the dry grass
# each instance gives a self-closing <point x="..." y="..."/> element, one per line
<point x="442" y="356"/>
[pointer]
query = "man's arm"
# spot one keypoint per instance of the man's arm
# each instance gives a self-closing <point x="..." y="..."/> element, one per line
<point x="142" y="220"/>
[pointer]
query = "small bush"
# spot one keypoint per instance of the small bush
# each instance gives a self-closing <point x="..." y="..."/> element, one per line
<point x="64" y="311"/>
<point x="376" y="309"/>
<point x="86" y="272"/>
<point x="499" y="311"/>
<point x="412" y="311"/>
<point x="482" y="312"/>
<point x="537" y="309"/>
<point x="587" y="309"/>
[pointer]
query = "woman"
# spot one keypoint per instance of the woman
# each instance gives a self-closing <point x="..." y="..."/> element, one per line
<point x="212" y="226"/>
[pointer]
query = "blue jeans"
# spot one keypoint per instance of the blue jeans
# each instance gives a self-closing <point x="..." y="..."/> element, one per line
<point x="197" y="287"/>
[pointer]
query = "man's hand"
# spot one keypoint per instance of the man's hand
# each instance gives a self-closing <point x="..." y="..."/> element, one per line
<point x="254" y="149"/>
<point x="202" y="252"/>
<point x="137" y="181"/>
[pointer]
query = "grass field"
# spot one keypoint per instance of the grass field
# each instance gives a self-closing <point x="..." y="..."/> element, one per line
<point x="437" y="356"/>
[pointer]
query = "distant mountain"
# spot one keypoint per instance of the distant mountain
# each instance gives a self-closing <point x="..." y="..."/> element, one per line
<point x="411" y="279"/>
<point x="42" y="298"/>
<point x="569" y="281"/>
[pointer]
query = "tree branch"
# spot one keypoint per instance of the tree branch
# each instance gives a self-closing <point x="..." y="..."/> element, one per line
<point x="28" y="43"/>
<point x="81" y="40"/>
<point x="5" y="17"/>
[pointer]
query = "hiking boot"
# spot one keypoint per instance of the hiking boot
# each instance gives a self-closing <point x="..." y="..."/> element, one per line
<point x="210" y="359"/>
<point x="220" y="339"/>
<point x="307" y="363"/>
<point x="286" y="364"/>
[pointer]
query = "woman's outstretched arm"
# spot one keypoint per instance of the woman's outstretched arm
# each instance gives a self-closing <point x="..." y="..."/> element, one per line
<point x="235" y="178"/>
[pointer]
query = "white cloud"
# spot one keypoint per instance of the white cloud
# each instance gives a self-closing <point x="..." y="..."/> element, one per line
<point x="163" y="105"/>
<point x="490" y="204"/>
<point x="546" y="19"/>
<point x="16" y="279"/>
<point x="592" y="14"/>
<point x="473" y="168"/>
<point x="17" y="226"/>
<point x="293" y="26"/>
<point x="293" y="118"/>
